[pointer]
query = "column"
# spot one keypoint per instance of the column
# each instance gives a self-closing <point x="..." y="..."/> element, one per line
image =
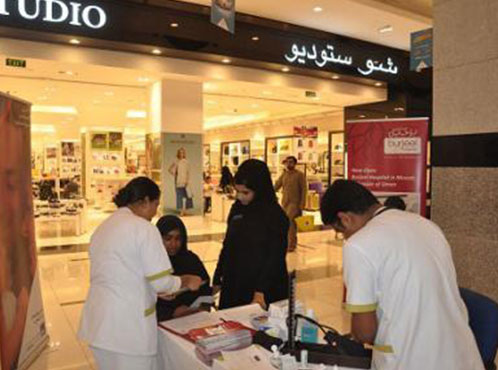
<point x="177" y="114"/>
<point x="465" y="143"/>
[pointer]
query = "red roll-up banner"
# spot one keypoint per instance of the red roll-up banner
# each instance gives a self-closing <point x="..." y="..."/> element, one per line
<point x="389" y="157"/>
<point x="22" y="323"/>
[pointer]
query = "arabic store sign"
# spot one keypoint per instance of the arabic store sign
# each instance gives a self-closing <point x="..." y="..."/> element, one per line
<point x="329" y="55"/>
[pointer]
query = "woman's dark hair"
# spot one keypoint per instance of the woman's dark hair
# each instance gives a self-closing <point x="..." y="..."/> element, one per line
<point x="255" y="175"/>
<point x="169" y="223"/>
<point x="345" y="196"/>
<point x="136" y="190"/>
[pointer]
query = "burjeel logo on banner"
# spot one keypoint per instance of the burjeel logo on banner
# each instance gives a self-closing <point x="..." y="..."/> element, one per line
<point x="403" y="140"/>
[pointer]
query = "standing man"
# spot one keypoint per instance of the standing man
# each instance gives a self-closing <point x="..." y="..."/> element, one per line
<point x="401" y="284"/>
<point x="293" y="185"/>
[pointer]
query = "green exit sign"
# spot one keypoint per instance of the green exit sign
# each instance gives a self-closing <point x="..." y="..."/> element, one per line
<point x="18" y="63"/>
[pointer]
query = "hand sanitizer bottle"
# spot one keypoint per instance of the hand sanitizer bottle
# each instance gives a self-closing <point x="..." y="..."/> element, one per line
<point x="309" y="331"/>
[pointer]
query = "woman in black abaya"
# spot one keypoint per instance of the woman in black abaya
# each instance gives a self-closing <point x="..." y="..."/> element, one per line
<point x="252" y="266"/>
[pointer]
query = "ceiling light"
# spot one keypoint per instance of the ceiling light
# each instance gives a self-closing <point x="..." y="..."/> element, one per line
<point x="75" y="41"/>
<point x="136" y="114"/>
<point x="267" y="93"/>
<point x="212" y="102"/>
<point x="174" y="25"/>
<point x="96" y="101"/>
<point x="58" y="109"/>
<point x="378" y="84"/>
<point x="69" y="73"/>
<point x="143" y="79"/>
<point x="317" y="9"/>
<point x="399" y="109"/>
<point x="226" y="60"/>
<point x="255" y="38"/>
<point x="156" y="52"/>
<point x="335" y="77"/>
<point x="386" y="29"/>
<point x="42" y="98"/>
<point x="109" y="93"/>
<point x="255" y="106"/>
<point x="362" y="116"/>
<point x="285" y="69"/>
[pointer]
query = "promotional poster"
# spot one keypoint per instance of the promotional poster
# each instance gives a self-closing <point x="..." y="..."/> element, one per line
<point x="223" y="14"/>
<point x="182" y="173"/>
<point x="389" y="157"/>
<point x="22" y="324"/>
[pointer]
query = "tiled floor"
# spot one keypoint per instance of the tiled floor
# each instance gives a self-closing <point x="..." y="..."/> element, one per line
<point x="65" y="281"/>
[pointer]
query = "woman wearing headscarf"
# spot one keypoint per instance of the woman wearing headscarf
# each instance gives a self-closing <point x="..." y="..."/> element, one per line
<point x="226" y="181"/>
<point x="184" y="262"/>
<point x="252" y="266"/>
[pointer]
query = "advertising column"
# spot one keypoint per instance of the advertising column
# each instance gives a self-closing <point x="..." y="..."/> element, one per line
<point x="22" y="323"/>
<point x="178" y="113"/>
<point x="389" y="157"/>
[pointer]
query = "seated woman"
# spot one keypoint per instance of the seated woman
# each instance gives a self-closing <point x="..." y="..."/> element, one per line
<point x="174" y="236"/>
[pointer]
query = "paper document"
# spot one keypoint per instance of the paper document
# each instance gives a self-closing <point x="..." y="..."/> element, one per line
<point x="204" y="299"/>
<point x="184" y="324"/>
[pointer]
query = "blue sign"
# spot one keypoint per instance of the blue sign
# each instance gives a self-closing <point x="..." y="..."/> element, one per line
<point x="421" y="50"/>
<point x="223" y="14"/>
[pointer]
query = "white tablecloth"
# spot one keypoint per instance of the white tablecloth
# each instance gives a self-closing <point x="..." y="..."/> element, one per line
<point x="176" y="353"/>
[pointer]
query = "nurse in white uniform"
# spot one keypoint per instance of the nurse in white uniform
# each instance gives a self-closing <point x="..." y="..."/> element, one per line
<point x="129" y="269"/>
<point x="401" y="284"/>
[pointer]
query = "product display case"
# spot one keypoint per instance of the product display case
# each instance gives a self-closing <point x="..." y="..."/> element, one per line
<point x="337" y="156"/>
<point x="233" y="154"/>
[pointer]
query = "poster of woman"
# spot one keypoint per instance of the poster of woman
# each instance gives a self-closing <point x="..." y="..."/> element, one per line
<point x="182" y="174"/>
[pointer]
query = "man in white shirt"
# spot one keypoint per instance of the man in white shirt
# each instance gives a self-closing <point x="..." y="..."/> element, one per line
<point x="401" y="284"/>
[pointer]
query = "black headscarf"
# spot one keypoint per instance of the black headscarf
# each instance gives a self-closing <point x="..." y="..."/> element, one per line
<point x="255" y="175"/>
<point x="169" y="223"/>
<point x="184" y="262"/>
<point x="226" y="177"/>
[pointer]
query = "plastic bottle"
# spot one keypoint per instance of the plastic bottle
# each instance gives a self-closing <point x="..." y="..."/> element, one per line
<point x="309" y="331"/>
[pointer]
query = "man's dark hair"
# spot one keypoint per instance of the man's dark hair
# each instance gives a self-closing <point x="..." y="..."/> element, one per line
<point x="345" y="196"/>
<point x="395" y="202"/>
<point x="291" y="157"/>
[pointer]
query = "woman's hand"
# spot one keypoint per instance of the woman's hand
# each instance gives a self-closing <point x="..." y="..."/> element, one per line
<point x="259" y="298"/>
<point x="184" y="311"/>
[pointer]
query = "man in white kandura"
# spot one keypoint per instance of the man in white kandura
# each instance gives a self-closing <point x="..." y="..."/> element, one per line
<point x="129" y="268"/>
<point x="401" y="284"/>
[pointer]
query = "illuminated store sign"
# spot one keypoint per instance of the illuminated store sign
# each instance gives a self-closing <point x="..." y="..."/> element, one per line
<point x="328" y="55"/>
<point x="55" y="11"/>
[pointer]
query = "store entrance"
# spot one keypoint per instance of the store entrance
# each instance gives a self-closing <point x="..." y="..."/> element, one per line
<point x="91" y="133"/>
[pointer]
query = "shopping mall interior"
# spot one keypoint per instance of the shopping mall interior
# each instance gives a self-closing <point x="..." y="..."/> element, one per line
<point x="102" y="107"/>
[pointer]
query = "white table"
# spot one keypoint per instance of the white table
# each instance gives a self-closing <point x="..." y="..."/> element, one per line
<point x="176" y="353"/>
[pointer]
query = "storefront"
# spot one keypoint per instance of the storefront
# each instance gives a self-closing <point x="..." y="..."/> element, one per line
<point x="271" y="90"/>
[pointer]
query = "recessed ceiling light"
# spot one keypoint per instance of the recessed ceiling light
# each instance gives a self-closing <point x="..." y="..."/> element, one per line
<point x="75" y="41"/>
<point x="69" y="73"/>
<point x="266" y="92"/>
<point x="255" y="38"/>
<point x="212" y="102"/>
<point x="386" y="29"/>
<point x="143" y="79"/>
<point x="173" y="25"/>
<point x="96" y="101"/>
<point x="399" y="109"/>
<point x="335" y="77"/>
<point x="317" y="9"/>
<point x="226" y="60"/>
<point x="156" y="52"/>
<point x="378" y="84"/>
<point x="42" y="98"/>
<point x="109" y="93"/>
<point x="254" y="106"/>
<point x="362" y="116"/>
<point x="285" y="69"/>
